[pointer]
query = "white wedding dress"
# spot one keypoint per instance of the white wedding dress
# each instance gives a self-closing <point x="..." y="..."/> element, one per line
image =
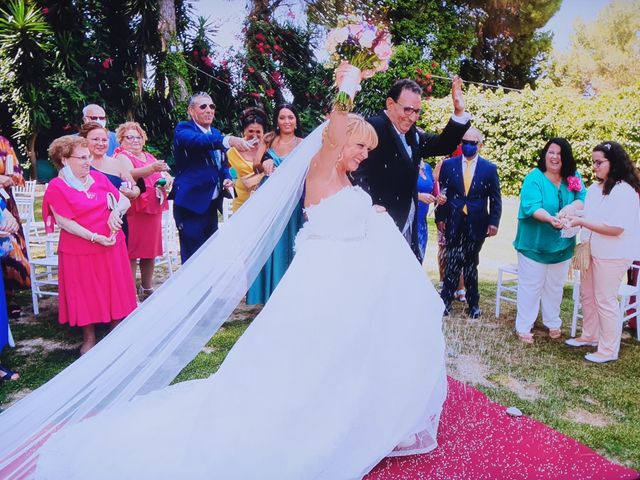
<point x="345" y="362"/>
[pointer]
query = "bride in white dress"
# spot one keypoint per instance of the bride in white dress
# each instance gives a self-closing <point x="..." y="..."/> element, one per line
<point x="343" y="366"/>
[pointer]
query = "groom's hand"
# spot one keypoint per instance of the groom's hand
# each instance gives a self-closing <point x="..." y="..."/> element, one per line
<point x="457" y="96"/>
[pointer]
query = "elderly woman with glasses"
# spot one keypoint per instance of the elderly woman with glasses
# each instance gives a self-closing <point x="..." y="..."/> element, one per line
<point x="550" y="192"/>
<point x="95" y="283"/>
<point x="145" y="215"/>
<point x="611" y="226"/>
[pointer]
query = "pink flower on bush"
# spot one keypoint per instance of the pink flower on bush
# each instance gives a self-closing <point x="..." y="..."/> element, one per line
<point x="107" y="63"/>
<point x="277" y="78"/>
<point x="251" y="70"/>
<point x="45" y="11"/>
<point x="208" y="61"/>
<point x="270" y="92"/>
<point x="574" y="184"/>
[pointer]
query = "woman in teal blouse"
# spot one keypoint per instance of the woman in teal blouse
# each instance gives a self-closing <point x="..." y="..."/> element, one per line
<point x="549" y="193"/>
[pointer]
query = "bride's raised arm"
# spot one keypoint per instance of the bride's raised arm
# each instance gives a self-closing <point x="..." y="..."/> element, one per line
<point x="335" y="134"/>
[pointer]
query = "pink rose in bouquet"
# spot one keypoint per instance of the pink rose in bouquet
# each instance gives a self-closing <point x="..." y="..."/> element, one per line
<point x="365" y="46"/>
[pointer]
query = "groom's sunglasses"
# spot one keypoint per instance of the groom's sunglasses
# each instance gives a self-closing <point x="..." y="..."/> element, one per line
<point x="212" y="106"/>
<point x="469" y="142"/>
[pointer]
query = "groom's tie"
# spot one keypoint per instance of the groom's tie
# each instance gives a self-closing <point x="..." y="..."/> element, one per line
<point x="467" y="181"/>
<point x="407" y="147"/>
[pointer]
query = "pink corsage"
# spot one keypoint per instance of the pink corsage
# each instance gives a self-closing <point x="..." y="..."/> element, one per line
<point x="574" y="184"/>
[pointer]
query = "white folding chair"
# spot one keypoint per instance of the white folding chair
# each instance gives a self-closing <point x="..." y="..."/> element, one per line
<point x="44" y="270"/>
<point x="507" y="288"/>
<point x="627" y="309"/>
<point x="227" y="209"/>
<point x="170" y="241"/>
<point x="25" y="200"/>
<point x="575" y="296"/>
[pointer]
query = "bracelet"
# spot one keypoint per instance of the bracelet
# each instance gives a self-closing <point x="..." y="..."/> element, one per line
<point x="93" y="237"/>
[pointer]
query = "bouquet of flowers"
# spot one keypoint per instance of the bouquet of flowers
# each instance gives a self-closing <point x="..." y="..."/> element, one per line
<point x="366" y="46"/>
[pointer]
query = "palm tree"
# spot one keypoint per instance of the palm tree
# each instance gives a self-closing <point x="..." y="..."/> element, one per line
<point x="25" y="40"/>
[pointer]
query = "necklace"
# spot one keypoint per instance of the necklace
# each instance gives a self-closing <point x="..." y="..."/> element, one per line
<point x="280" y="142"/>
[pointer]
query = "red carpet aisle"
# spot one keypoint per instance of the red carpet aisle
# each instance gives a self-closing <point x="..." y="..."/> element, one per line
<point x="479" y="441"/>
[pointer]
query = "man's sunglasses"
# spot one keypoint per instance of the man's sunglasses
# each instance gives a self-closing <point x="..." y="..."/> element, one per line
<point x="470" y="142"/>
<point x="212" y="106"/>
<point x="93" y="118"/>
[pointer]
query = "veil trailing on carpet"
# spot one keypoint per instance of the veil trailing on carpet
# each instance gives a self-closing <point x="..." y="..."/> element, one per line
<point x="151" y="346"/>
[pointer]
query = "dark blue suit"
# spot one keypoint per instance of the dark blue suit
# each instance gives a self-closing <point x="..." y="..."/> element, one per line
<point x="465" y="233"/>
<point x="199" y="170"/>
<point x="390" y="175"/>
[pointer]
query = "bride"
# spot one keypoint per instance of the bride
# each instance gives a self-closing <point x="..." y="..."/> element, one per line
<point x="343" y="366"/>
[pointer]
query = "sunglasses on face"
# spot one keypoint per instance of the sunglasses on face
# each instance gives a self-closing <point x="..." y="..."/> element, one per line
<point x="470" y="142"/>
<point x="212" y="106"/>
<point x="93" y="118"/>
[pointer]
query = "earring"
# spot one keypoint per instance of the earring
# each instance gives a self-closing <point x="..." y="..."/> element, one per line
<point x="339" y="160"/>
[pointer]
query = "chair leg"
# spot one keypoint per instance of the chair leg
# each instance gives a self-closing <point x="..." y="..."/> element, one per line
<point x="498" y="293"/>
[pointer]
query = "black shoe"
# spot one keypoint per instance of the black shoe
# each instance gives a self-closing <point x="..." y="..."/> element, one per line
<point x="447" y="311"/>
<point x="475" y="312"/>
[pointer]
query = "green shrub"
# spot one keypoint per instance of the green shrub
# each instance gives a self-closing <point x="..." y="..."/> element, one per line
<point x="516" y="125"/>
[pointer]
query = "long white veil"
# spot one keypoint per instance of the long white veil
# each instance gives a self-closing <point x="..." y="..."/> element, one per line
<point x="158" y="339"/>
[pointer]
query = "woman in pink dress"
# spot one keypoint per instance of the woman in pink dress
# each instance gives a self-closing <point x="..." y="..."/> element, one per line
<point x="95" y="284"/>
<point x="145" y="215"/>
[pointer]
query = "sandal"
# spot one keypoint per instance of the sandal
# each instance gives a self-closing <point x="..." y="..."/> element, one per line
<point x="144" y="293"/>
<point x="526" y="338"/>
<point x="555" y="333"/>
<point x="461" y="295"/>
<point x="14" y="311"/>
<point x="8" y="375"/>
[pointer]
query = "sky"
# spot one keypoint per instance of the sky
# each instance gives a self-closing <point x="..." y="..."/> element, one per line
<point x="561" y="24"/>
<point x="229" y="15"/>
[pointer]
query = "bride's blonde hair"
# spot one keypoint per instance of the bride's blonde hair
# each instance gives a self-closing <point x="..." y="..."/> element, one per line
<point x="359" y="130"/>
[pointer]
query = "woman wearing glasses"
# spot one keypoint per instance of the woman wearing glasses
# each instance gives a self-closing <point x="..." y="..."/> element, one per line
<point x="145" y="215"/>
<point x="611" y="225"/>
<point x="550" y="192"/>
<point x="118" y="171"/>
<point x="95" y="284"/>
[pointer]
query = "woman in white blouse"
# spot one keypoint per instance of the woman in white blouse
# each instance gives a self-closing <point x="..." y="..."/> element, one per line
<point x="611" y="222"/>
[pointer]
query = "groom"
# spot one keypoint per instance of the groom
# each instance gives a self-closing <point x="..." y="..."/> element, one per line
<point x="390" y="174"/>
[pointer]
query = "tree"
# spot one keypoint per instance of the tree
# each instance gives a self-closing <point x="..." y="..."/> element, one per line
<point x="509" y="48"/>
<point x="25" y="40"/>
<point x="604" y="54"/>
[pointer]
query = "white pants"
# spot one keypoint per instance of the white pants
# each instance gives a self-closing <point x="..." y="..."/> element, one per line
<point x="539" y="283"/>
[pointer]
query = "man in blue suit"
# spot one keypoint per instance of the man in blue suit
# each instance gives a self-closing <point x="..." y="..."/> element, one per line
<point x="471" y="213"/>
<point x="200" y="174"/>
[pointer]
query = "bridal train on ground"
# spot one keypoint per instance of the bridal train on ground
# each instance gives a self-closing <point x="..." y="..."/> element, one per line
<point x="345" y="362"/>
